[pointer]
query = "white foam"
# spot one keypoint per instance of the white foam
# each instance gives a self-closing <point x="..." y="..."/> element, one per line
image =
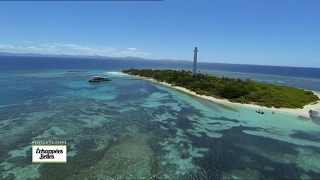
<point x="116" y="73"/>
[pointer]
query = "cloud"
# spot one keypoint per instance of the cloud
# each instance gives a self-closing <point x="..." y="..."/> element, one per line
<point x="6" y="47"/>
<point x="87" y="50"/>
<point x="144" y="54"/>
<point x="48" y="46"/>
<point x="74" y="49"/>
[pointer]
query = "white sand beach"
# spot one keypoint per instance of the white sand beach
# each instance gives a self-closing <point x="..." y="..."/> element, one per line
<point x="296" y="112"/>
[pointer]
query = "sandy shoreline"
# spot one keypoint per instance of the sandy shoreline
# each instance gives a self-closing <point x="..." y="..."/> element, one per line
<point x="296" y="112"/>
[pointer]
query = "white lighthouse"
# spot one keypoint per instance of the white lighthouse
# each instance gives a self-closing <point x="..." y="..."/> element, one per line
<point x="195" y="61"/>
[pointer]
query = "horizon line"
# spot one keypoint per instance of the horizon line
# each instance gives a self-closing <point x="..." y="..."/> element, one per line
<point x="12" y="54"/>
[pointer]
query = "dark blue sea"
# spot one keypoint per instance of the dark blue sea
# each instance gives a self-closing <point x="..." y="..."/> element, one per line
<point x="127" y="129"/>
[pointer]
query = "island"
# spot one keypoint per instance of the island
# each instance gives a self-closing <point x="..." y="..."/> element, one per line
<point x="234" y="90"/>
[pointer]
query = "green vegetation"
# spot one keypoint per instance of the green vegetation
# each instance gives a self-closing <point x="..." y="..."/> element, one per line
<point x="235" y="90"/>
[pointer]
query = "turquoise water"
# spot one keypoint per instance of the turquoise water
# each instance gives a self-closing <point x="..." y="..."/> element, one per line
<point x="140" y="130"/>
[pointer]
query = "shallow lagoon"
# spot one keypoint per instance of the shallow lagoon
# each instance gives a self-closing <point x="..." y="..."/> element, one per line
<point x="140" y="130"/>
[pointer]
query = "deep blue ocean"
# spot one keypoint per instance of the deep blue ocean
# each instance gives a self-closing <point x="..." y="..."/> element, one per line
<point x="50" y="63"/>
<point x="141" y="130"/>
<point x="307" y="78"/>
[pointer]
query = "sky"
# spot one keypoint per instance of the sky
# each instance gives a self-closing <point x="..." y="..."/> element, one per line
<point x="264" y="32"/>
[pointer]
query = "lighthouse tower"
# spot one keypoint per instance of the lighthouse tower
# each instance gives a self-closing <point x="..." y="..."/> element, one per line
<point x="195" y="61"/>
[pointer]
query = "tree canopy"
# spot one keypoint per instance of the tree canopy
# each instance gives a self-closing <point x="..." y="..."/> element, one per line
<point x="235" y="90"/>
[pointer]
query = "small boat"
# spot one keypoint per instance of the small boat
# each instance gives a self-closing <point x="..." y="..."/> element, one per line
<point x="260" y="112"/>
<point x="99" y="79"/>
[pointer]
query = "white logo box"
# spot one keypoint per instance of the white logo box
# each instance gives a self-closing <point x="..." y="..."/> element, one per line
<point x="49" y="153"/>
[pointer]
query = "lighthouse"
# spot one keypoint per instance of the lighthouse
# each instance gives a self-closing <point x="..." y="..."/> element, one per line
<point x="195" y="61"/>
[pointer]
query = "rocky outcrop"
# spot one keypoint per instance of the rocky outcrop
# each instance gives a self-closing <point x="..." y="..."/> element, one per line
<point x="314" y="115"/>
